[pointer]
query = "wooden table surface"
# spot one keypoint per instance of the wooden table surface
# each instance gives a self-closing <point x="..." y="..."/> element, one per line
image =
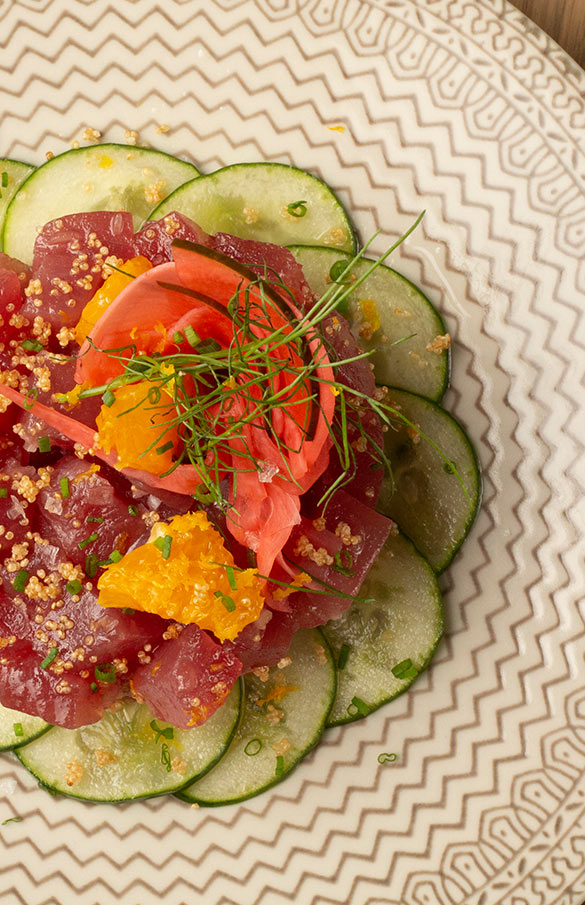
<point x="563" y="20"/>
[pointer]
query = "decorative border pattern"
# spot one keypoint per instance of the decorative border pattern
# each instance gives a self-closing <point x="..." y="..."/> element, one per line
<point x="466" y="105"/>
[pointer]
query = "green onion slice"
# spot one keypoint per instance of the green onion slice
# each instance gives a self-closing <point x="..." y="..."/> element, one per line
<point x="297" y="208"/>
<point x="20" y="582"/>
<point x="105" y="672"/>
<point x="253" y="747"/>
<point x="87" y="541"/>
<point x="49" y="658"/>
<point x="164" y="545"/>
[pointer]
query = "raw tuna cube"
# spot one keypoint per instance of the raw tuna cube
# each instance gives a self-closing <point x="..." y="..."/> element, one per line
<point x="154" y="240"/>
<point x="69" y="258"/>
<point x="187" y="679"/>
<point x="362" y="533"/>
<point x="70" y="522"/>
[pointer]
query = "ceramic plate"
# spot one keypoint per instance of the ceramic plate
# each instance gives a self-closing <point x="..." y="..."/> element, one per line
<point x="467" y="110"/>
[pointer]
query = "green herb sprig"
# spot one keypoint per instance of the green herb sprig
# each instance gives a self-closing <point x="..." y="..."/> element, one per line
<point x="217" y="398"/>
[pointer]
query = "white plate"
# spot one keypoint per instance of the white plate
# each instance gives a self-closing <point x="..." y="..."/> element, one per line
<point x="465" y="109"/>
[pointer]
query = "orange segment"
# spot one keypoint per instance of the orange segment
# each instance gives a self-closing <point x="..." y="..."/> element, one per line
<point x="104" y="297"/>
<point x="132" y="424"/>
<point x="190" y="585"/>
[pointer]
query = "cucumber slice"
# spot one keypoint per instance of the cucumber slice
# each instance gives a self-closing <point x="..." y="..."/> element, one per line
<point x="390" y="300"/>
<point x="108" y="177"/>
<point x="18" y="728"/>
<point x="12" y="175"/>
<point x="399" y="630"/>
<point x="122" y="757"/>
<point x="252" y="200"/>
<point x="296" y="720"/>
<point x="427" y="500"/>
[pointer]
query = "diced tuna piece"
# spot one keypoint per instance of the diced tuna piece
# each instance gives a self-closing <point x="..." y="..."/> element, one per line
<point x="63" y="700"/>
<point x="93" y="520"/>
<point x="154" y="240"/>
<point x="271" y="262"/>
<point x="187" y="679"/>
<point x="17" y="513"/>
<point x="362" y="532"/>
<point x="51" y="377"/>
<point x="68" y="265"/>
<point x="264" y="642"/>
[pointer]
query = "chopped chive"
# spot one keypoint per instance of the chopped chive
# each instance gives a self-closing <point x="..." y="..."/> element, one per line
<point x="93" y="687"/>
<point x="191" y="336"/>
<point x="44" y="444"/>
<point x="279" y="765"/>
<point x="154" y="395"/>
<point x="3" y="492"/>
<point x="160" y="450"/>
<point x="231" y="577"/>
<point x="12" y="820"/>
<point x="93" y="518"/>
<point x="449" y="468"/>
<point x="385" y="758"/>
<point x="358" y="706"/>
<point x="336" y="272"/>
<point x="116" y="556"/>
<point x="105" y="672"/>
<point x="204" y="495"/>
<point x="343" y="655"/>
<point x="339" y="567"/>
<point x="30" y="399"/>
<point x="74" y="587"/>
<point x="108" y="398"/>
<point x="128" y="611"/>
<point x="253" y="747"/>
<point x="227" y="601"/>
<point x="4" y="179"/>
<point x="91" y="565"/>
<point x="18" y="730"/>
<point x="64" y="485"/>
<point x="19" y="583"/>
<point x="165" y="757"/>
<point x="49" y="658"/>
<point x="32" y="345"/>
<point x="87" y="541"/>
<point x="166" y="732"/>
<point x="164" y="545"/>
<point x="404" y="670"/>
<point x="133" y="510"/>
<point x="297" y="208"/>
<point x="178" y="337"/>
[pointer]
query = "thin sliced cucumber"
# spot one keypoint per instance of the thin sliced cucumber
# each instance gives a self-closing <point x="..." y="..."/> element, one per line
<point x="386" y="309"/>
<point x="381" y="647"/>
<point x="427" y="499"/>
<point x="123" y="757"/>
<point x="269" y="202"/>
<point x="18" y="728"/>
<point x="283" y="720"/>
<point x="12" y="175"/>
<point x="108" y="177"/>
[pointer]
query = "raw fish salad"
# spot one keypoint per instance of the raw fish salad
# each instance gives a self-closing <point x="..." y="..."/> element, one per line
<point x="218" y="416"/>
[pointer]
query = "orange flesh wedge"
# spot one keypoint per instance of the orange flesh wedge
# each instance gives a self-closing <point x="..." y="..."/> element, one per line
<point x="106" y="294"/>
<point x="195" y="583"/>
<point x="131" y="425"/>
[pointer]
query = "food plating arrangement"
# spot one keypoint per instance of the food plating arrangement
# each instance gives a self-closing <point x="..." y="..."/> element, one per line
<point x="227" y="484"/>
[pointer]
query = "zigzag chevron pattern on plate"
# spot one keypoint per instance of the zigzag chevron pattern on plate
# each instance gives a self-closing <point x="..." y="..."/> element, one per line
<point x="457" y="107"/>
